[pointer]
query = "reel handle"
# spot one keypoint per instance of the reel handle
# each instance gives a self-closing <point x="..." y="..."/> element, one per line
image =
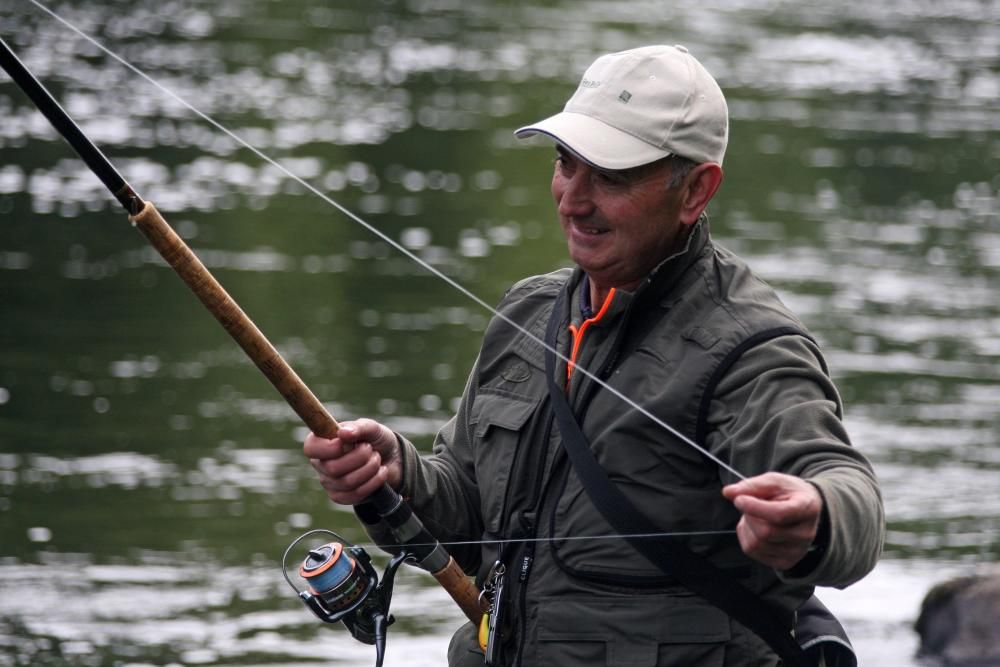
<point x="344" y="587"/>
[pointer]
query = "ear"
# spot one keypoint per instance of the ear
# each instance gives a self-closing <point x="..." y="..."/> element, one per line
<point x="699" y="188"/>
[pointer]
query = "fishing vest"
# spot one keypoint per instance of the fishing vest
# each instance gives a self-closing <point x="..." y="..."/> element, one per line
<point x="585" y="601"/>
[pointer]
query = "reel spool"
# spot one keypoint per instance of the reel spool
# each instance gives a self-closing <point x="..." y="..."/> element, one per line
<point x="336" y="578"/>
<point x="344" y="587"/>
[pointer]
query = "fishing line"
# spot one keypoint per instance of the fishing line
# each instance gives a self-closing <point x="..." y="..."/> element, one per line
<point x="568" y="538"/>
<point x="393" y="243"/>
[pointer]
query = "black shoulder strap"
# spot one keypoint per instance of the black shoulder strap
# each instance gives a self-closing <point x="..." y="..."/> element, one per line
<point x="730" y="359"/>
<point x="674" y="558"/>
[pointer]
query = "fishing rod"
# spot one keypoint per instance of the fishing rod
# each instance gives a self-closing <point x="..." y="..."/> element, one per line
<point x="406" y="252"/>
<point x="365" y="609"/>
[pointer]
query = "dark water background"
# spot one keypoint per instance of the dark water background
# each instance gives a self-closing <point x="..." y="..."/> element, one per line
<point x="150" y="478"/>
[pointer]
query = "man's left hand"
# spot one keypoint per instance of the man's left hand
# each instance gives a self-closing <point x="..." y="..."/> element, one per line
<point x="781" y="515"/>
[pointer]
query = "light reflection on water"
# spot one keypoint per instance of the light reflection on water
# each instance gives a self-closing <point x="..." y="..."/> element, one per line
<point x="878" y="222"/>
<point x="175" y="611"/>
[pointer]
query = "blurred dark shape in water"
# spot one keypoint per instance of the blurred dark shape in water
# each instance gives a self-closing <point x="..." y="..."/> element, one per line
<point x="959" y="622"/>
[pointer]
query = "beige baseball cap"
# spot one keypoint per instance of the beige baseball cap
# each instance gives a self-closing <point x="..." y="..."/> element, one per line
<point x="638" y="106"/>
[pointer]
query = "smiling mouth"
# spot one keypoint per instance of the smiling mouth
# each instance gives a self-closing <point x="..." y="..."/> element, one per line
<point x="589" y="230"/>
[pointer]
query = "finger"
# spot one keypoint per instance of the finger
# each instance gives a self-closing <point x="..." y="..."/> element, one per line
<point x="353" y="495"/>
<point x="788" y="511"/>
<point x="767" y="532"/>
<point x="767" y="485"/>
<point x="316" y="447"/>
<point x="335" y="469"/>
<point x="751" y="542"/>
<point x="371" y="486"/>
<point x="346" y="463"/>
<point x="776" y="497"/>
<point x="359" y="430"/>
<point x="359" y="476"/>
<point x="759" y="535"/>
<point x="773" y="551"/>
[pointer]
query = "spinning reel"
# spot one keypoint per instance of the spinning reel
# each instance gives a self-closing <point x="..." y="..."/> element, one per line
<point x="344" y="587"/>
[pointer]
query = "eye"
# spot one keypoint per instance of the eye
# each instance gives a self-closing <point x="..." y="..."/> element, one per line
<point x="564" y="163"/>
<point x="611" y="178"/>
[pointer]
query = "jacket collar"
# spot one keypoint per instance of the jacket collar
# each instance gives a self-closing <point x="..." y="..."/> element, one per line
<point x="663" y="277"/>
<point x="668" y="273"/>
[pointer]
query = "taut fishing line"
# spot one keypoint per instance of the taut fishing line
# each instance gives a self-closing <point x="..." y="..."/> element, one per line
<point x="392" y="242"/>
<point x="566" y="538"/>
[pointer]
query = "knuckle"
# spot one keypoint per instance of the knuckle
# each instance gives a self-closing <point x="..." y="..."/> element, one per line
<point x="764" y="533"/>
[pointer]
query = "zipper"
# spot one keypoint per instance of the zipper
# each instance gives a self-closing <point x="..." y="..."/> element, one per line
<point x="577" y="334"/>
<point x="522" y="587"/>
<point x="530" y="526"/>
<point x="590" y="387"/>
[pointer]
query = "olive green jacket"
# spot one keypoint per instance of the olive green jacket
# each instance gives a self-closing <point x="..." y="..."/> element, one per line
<point x="577" y="595"/>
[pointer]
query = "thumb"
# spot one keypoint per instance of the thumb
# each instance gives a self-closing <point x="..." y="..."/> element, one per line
<point x="768" y="485"/>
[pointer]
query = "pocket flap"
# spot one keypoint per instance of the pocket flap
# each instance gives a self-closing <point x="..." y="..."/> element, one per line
<point x="663" y="619"/>
<point x="633" y="629"/>
<point x="500" y="410"/>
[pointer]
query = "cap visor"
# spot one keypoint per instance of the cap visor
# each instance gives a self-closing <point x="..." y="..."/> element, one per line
<point x="595" y="141"/>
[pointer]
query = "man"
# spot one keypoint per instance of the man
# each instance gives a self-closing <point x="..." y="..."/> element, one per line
<point x="657" y="312"/>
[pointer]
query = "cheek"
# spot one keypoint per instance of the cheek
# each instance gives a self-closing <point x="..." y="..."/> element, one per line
<point x="557" y="187"/>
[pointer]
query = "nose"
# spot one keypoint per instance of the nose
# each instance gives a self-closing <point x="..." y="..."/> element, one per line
<point x="573" y="194"/>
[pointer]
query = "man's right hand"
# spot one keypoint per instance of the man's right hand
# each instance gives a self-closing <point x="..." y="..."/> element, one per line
<point x="362" y="457"/>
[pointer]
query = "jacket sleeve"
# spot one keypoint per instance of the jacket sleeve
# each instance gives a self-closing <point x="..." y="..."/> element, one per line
<point x="441" y="489"/>
<point x="776" y="409"/>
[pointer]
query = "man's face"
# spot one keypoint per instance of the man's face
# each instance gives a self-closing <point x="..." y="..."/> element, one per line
<point x="618" y="224"/>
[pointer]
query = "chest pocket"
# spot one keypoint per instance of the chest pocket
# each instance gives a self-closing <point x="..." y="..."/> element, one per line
<point x="498" y="427"/>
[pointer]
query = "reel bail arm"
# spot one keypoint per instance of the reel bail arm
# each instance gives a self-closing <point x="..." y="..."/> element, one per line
<point x="344" y="588"/>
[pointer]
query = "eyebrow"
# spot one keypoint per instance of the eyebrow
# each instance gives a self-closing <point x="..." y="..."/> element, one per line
<point x="630" y="174"/>
<point x="565" y="152"/>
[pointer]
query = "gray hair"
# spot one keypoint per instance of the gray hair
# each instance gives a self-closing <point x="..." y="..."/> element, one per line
<point x="680" y="167"/>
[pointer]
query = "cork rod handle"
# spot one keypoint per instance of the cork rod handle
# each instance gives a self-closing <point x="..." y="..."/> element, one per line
<point x="186" y="264"/>
<point x="232" y="318"/>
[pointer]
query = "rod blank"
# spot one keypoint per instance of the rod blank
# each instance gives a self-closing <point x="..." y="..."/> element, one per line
<point x="69" y="130"/>
<point x="226" y="311"/>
